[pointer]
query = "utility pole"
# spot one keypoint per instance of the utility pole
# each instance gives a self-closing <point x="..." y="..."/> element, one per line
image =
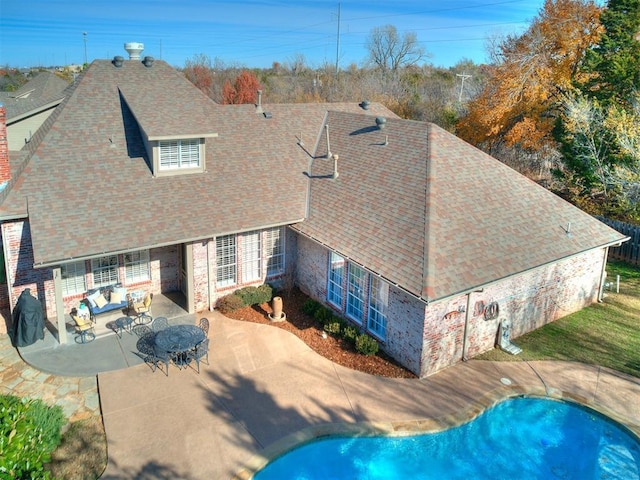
<point x="464" y="76"/>
<point x="338" y="41"/>
<point x="84" y="36"/>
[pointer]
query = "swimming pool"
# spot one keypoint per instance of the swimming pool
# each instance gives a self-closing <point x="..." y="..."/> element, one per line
<point x="520" y="438"/>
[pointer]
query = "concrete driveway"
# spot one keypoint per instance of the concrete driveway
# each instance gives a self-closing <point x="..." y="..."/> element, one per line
<point x="265" y="390"/>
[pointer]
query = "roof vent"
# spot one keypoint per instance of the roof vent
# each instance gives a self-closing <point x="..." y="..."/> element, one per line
<point x="134" y="49"/>
<point x="117" y="61"/>
<point x="148" y="61"/>
<point x="381" y="122"/>
<point x="365" y="104"/>
<point x="259" y="104"/>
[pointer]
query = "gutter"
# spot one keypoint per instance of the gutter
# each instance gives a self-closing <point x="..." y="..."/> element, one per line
<point x="60" y="261"/>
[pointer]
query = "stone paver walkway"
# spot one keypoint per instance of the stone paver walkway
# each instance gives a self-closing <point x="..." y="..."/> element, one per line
<point x="78" y="396"/>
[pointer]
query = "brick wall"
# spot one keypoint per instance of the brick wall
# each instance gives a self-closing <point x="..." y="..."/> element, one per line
<point x="201" y="274"/>
<point x="16" y="237"/>
<point x="426" y="339"/>
<point x="405" y="313"/>
<point x="204" y="258"/>
<point x="528" y="301"/>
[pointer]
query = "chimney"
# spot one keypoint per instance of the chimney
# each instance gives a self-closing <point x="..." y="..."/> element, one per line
<point x="5" y="170"/>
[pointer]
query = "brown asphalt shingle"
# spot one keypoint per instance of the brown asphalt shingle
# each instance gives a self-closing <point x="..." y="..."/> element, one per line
<point x="431" y="213"/>
<point x="88" y="189"/>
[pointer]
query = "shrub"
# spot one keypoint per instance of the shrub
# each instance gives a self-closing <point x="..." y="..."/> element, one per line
<point x="265" y="293"/>
<point x="254" y="295"/>
<point x="310" y="306"/>
<point x="333" y="326"/>
<point x="349" y="333"/>
<point x="229" y="303"/>
<point x="366" y="345"/>
<point x="29" y="432"/>
<point x="323" y="314"/>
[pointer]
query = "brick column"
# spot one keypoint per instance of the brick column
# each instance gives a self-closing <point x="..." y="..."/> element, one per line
<point x="5" y="171"/>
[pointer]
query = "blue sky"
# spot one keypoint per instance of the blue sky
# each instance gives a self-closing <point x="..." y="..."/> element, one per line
<point x="252" y="33"/>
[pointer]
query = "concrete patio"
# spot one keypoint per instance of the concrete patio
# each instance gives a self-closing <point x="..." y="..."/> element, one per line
<point x="108" y="352"/>
<point x="265" y="390"/>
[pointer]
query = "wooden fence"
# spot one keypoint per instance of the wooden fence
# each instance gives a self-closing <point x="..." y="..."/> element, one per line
<point x="628" y="251"/>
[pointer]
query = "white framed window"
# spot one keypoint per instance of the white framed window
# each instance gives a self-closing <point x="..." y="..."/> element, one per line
<point x="251" y="257"/>
<point x="335" y="289"/>
<point x="378" y="304"/>
<point x="226" y="260"/>
<point x="274" y="244"/>
<point x="73" y="278"/>
<point x="136" y="266"/>
<point x="356" y="283"/>
<point x="104" y="270"/>
<point x="177" y="154"/>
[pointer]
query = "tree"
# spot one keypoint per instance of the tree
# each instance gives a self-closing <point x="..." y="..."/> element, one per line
<point x="389" y="52"/>
<point x="243" y="90"/>
<point x="524" y="90"/>
<point x="601" y="150"/>
<point x="199" y="72"/>
<point x="612" y="67"/>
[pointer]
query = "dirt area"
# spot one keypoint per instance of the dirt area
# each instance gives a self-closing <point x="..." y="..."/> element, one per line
<point x="310" y="332"/>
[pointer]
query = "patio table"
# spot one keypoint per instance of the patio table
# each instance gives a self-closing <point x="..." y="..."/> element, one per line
<point x="178" y="340"/>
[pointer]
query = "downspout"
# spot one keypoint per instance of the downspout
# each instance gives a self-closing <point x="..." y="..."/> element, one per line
<point x="467" y="314"/>
<point x="603" y="275"/>
<point x="209" y="275"/>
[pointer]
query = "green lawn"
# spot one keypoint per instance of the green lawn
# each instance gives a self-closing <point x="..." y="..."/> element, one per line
<point x="606" y="334"/>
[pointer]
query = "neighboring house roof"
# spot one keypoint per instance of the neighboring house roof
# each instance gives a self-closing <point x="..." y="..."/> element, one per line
<point x="432" y="214"/>
<point x="43" y="91"/>
<point x="87" y="187"/>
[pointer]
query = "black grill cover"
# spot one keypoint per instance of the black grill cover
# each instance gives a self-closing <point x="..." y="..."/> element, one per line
<point x="28" y="320"/>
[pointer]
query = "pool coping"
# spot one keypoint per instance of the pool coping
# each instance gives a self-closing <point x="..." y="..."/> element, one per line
<point x="426" y="425"/>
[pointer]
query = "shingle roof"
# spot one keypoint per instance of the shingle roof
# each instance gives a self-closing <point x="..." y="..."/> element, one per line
<point x="44" y="89"/>
<point x="87" y="188"/>
<point x="431" y="213"/>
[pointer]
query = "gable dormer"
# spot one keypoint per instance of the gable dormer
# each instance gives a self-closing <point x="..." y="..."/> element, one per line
<point x="179" y="155"/>
<point x="172" y="115"/>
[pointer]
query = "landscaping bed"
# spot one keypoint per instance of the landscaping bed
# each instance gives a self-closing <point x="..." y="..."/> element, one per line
<point x="310" y="331"/>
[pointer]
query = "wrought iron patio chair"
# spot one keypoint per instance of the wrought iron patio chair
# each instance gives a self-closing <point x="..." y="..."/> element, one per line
<point x="160" y="357"/>
<point x="159" y="323"/>
<point x="83" y="328"/>
<point x="204" y="325"/>
<point x="141" y="309"/>
<point x="200" y="353"/>
<point x="151" y="356"/>
<point x="141" y="330"/>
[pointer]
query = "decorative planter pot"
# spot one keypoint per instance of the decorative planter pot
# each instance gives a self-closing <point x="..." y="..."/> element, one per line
<point x="278" y="315"/>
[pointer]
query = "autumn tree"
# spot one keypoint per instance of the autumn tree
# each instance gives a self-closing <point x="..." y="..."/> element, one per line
<point x="243" y="90"/>
<point x="389" y="52"/>
<point x="524" y="89"/>
<point x="199" y="72"/>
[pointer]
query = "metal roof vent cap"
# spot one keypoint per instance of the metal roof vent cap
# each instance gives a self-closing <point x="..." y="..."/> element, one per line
<point x="134" y="49"/>
<point x="117" y="61"/>
<point x="381" y="122"/>
<point x="148" y="61"/>
<point x="365" y="104"/>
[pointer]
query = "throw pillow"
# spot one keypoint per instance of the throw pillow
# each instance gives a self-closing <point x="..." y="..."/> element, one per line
<point x="115" y="297"/>
<point x="101" y="301"/>
<point x="92" y="298"/>
<point x="122" y="291"/>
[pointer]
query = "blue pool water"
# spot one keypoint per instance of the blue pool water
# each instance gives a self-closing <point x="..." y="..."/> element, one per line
<point x="521" y="438"/>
